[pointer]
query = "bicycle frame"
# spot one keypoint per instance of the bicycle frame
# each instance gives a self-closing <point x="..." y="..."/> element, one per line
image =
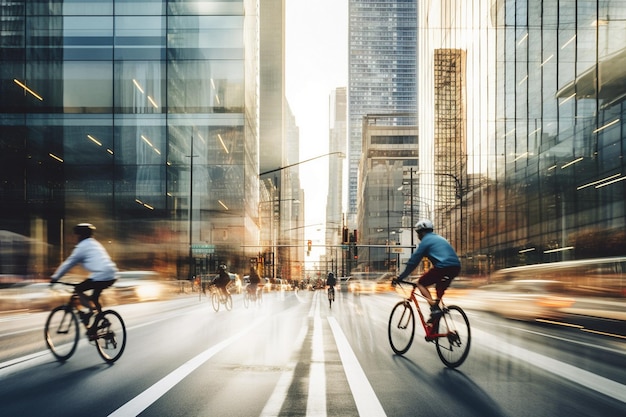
<point x="62" y="334"/>
<point x="220" y="294"/>
<point x="431" y="334"/>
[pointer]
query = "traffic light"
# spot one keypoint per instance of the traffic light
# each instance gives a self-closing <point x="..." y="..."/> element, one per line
<point x="309" y="244"/>
<point x="344" y="236"/>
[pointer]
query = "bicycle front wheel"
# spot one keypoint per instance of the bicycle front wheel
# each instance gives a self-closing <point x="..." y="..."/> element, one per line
<point x="228" y="301"/>
<point x="110" y="335"/>
<point x="454" y="347"/>
<point x="62" y="332"/>
<point x="401" y="329"/>
<point x="215" y="300"/>
<point x="246" y="298"/>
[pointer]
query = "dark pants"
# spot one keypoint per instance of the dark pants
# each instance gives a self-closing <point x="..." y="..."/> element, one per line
<point x="97" y="287"/>
<point x="438" y="276"/>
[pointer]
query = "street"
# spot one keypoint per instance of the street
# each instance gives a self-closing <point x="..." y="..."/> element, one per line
<point x="294" y="356"/>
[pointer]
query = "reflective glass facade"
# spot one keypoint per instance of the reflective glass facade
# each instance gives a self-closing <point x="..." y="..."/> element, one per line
<point x="137" y="116"/>
<point x="537" y="173"/>
<point x="382" y="71"/>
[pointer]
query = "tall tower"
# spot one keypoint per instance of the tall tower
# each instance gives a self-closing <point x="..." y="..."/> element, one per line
<point x="337" y="143"/>
<point x="382" y="71"/>
<point x="272" y="110"/>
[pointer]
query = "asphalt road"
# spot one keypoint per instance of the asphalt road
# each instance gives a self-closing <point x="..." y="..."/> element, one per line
<point x="294" y="356"/>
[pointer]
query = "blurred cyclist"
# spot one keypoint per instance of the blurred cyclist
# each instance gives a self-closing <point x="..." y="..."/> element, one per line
<point x="222" y="280"/>
<point x="255" y="279"/>
<point x="92" y="256"/>
<point x="331" y="281"/>
<point x="446" y="265"/>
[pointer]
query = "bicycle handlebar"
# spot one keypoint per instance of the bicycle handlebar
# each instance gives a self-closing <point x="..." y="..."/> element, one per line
<point x="72" y="284"/>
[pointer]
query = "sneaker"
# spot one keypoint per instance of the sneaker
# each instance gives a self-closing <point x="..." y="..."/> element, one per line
<point x="435" y="313"/>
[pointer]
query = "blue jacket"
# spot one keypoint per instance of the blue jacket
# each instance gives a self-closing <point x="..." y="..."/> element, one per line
<point x="438" y="251"/>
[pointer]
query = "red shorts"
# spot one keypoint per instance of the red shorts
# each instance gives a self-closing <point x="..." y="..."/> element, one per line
<point x="436" y="276"/>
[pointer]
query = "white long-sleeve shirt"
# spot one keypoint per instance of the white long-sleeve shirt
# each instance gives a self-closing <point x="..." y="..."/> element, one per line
<point x="93" y="257"/>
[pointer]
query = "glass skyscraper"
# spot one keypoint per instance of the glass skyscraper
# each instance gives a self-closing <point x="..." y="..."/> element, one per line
<point x="534" y="164"/>
<point x="137" y="116"/>
<point x="382" y="73"/>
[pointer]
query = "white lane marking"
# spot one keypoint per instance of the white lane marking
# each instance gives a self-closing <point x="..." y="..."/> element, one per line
<point x="279" y="395"/>
<point x="36" y="355"/>
<point x="316" y="401"/>
<point x="587" y="379"/>
<point x="156" y="391"/>
<point x="364" y="396"/>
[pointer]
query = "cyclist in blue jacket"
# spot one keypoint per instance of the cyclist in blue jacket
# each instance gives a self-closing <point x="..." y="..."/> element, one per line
<point x="446" y="264"/>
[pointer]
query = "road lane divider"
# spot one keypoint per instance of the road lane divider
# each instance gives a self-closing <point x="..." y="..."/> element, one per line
<point x="316" y="400"/>
<point x="579" y="376"/>
<point x="367" y="402"/>
<point x="279" y="395"/>
<point x="138" y="404"/>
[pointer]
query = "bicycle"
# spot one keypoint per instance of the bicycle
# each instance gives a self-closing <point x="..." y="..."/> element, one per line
<point x="331" y="296"/>
<point x="62" y="330"/>
<point x="219" y="297"/>
<point x="450" y="332"/>
<point x="252" y="296"/>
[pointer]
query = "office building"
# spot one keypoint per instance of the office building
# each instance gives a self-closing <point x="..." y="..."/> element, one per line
<point x="382" y="73"/>
<point x="535" y="90"/>
<point x="139" y="117"/>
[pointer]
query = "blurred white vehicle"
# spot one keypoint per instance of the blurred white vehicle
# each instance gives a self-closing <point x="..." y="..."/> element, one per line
<point x="139" y="286"/>
<point x="33" y="296"/>
<point x="521" y="299"/>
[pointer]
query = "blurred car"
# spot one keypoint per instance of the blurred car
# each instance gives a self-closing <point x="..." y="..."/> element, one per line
<point x="138" y="286"/>
<point x="362" y="286"/>
<point x="522" y="299"/>
<point x="383" y="284"/>
<point x="33" y="296"/>
<point x="343" y="283"/>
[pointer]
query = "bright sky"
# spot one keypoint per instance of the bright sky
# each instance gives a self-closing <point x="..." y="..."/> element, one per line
<point x="316" y="63"/>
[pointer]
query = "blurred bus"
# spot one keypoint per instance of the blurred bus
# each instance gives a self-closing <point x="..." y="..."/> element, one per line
<point x="598" y="277"/>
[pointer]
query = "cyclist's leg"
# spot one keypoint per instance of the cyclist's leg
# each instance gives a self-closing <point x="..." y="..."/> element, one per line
<point x="98" y="286"/>
<point x="448" y="274"/>
<point x="429" y="278"/>
<point x="80" y="289"/>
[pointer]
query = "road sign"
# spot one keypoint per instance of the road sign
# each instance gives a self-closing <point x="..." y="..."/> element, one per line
<point x="202" y="249"/>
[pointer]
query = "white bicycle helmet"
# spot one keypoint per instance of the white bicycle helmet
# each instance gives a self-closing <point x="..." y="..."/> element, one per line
<point x="424" y="224"/>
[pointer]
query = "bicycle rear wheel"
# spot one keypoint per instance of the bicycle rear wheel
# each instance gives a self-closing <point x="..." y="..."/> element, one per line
<point x="453" y="348"/>
<point x="401" y="329"/>
<point x="62" y="332"/>
<point x="228" y="301"/>
<point x="110" y="335"/>
<point x="246" y="298"/>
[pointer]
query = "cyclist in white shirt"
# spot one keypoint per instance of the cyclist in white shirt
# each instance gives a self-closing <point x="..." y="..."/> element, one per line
<point x="92" y="256"/>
